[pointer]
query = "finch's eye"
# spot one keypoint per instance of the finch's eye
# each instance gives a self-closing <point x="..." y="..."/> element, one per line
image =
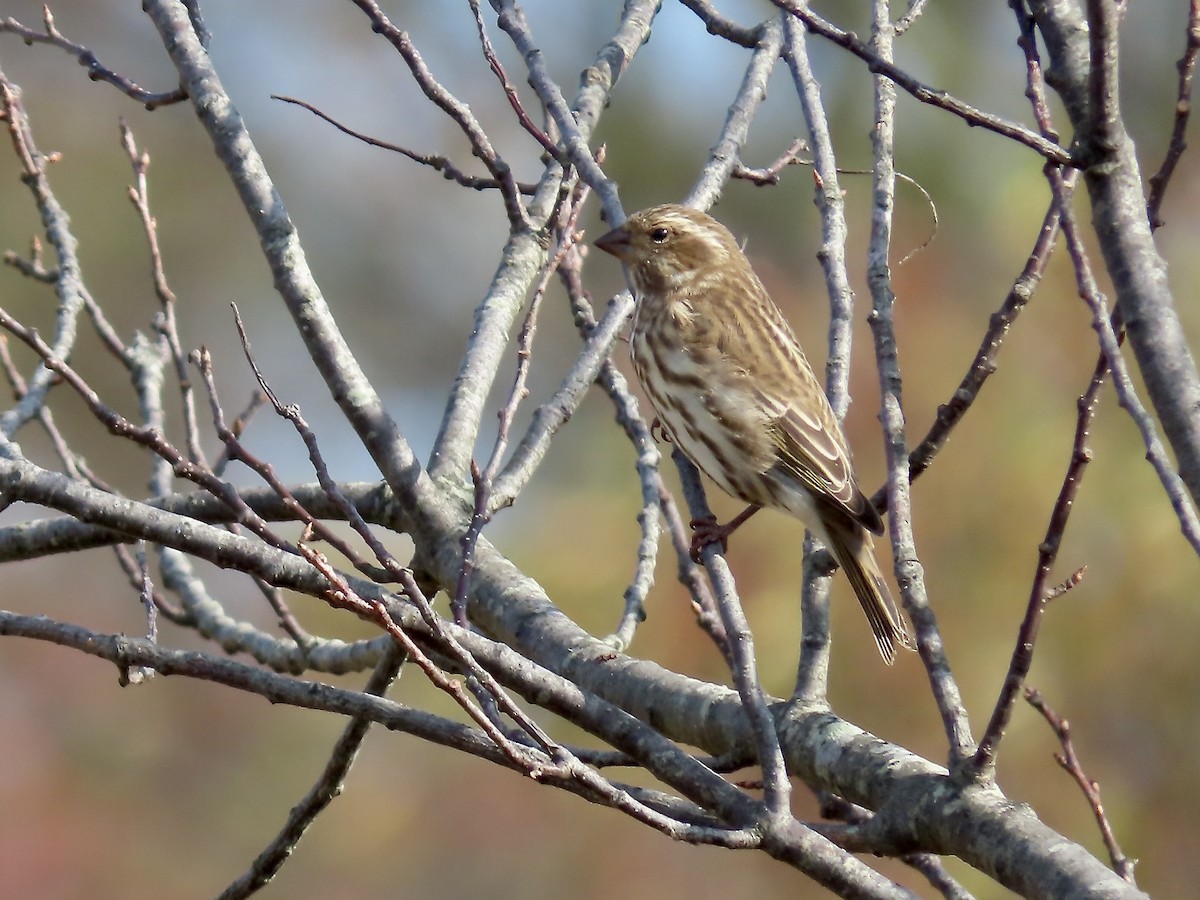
<point x="659" y="234"/>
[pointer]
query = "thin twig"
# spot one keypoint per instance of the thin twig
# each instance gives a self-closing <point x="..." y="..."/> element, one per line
<point x="656" y="498"/>
<point x="1040" y="591"/>
<point x="905" y="22"/>
<point x="879" y="65"/>
<point x="86" y="58"/>
<point x="1183" y="110"/>
<point x="510" y="92"/>
<point x="438" y="163"/>
<point x="268" y="863"/>
<point x="985" y="363"/>
<point x="773" y="173"/>
<point x="458" y="112"/>
<point x="727" y="149"/>
<point x="1069" y="760"/>
<point x="743" y="667"/>
<point x="1106" y="324"/>
<point x="168" y="326"/>
<point x="812" y="671"/>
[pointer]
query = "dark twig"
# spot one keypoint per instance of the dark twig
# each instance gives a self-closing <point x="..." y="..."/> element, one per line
<point x="1041" y="592"/>
<point x="74" y="465"/>
<point x="510" y="92"/>
<point x="343" y="596"/>
<point x="933" y="96"/>
<point x="268" y="863"/>
<point x="287" y="619"/>
<point x="265" y="471"/>
<point x="151" y="438"/>
<point x="438" y="163"/>
<point x="575" y="122"/>
<point x="550" y="760"/>
<point x="1106" y="326"/>
<point x="238" y="426"/>
<point x="238" y="451"/>
<point x="1183" y="111"/>
<point x="671" y="818"/>
<point x="524" y="254"/>
<point x="86" y="58"/>
<point x="1069" y="760"/>
<point x="984" y="365"/>
<point x="458" y="111"/>
<point x="984" y="761"/>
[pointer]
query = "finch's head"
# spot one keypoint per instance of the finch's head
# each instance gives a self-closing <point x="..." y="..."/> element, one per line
<point x="666" y="247"/>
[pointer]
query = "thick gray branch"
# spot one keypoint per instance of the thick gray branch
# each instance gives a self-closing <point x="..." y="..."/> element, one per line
<point x="1084" y="72"/>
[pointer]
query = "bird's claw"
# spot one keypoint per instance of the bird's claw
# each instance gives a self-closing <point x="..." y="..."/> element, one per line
<point x="707" y="530"/>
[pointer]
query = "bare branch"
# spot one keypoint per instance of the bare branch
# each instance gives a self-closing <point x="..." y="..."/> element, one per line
<point x="438" y="163"/>
<point x="909" y="572"/>
<point x="723" y="27"/>
<point x="1069" y="760"/>
<point x="1183" y="111"/>
<point x="459" y="112"/>
<point x="773" y="173"/>
<point x="880" y="65"/>
<point x="1041" y="591"/>
<point x="86" y="58"/>
<point x="68" y="282"/>
<point x="510" y="92"/>
<point x="1084" y="61"/>
<point x="268" y="863"/>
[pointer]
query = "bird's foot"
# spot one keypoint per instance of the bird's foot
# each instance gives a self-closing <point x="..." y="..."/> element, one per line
<point x="705" y="531"/>
<point x="659" y="433"/>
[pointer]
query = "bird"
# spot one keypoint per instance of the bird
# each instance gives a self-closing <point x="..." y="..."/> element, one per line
<point x="734" y="392"/>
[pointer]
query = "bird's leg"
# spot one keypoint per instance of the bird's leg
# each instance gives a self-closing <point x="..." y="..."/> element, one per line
<point x="707" y="530"/>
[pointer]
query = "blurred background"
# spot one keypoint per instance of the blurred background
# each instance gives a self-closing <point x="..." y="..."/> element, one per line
<point x="172" y="788"/>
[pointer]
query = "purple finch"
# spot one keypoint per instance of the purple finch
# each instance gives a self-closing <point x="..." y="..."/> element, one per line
<point x="733" y="390"/>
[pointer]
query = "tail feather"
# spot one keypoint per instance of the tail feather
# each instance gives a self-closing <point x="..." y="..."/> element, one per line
<point x="853" y="549"/>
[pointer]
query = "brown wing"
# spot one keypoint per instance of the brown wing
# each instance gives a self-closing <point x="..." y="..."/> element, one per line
<point x="815" y="456"/>
<point x="809" y="441"/>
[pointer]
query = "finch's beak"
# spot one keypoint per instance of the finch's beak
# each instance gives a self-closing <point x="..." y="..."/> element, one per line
<point x="615" y="242"/>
